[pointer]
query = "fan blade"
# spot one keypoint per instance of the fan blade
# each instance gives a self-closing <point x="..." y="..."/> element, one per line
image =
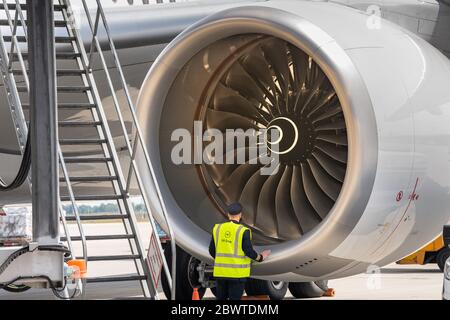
<point x="314" y="72"/>
<point x="338" y="125"/>
<point x="233" y="185"/>
<point x="225" y="120"/>
<point x="336" y="109"/>
<point x="266" y="218"/>
<point x="318" y="199"/>
<point x="241" y="155"/>
<point x="326" y="99"/>
<point x="275" y="52"/>
<point x="329" y="165"/>
<point x="313" y="93"/>
<point x="306" y="215"/>
<point x="250" y="195"/>
<point x="228" y="100"/>
<point x="238" y="80"/>
<point x="288" y="225"/>
<point x="340" y="139"/>
<point x="256" y="65"/>
<point x="301" y="66"/>
<point x="328" y="184"/>
<point x="219" y="172"/>
<point x="333" y="151"/>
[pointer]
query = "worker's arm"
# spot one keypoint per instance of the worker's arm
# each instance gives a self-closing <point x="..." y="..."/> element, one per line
<point x="212" y="248"/>
<point x="247" y="247"/>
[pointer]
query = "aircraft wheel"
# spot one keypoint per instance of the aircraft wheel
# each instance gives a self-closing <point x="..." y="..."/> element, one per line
<point x="311" y="289"/>
<point x="442" y="257"/>
<point x="276" y="290"/>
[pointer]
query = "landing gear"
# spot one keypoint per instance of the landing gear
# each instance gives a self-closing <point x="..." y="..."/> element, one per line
<point x="187" y="275"/>
<point x="314" y="289"/>
<point x="276" y="290"/>
<point x="192" y="273"/>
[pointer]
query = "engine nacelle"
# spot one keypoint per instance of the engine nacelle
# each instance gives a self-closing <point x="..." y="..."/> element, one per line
<point x="366" y="182"/>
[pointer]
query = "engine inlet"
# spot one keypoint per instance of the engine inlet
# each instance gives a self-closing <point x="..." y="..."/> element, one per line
<point x="268" y="83"/>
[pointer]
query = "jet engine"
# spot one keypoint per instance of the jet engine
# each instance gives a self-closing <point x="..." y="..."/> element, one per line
<point x="363" y="108"/>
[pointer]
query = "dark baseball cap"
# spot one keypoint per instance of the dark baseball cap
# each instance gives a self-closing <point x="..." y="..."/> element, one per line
<point x="234" y="208"/>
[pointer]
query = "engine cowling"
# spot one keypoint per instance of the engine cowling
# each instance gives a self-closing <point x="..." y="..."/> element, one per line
<point x="367" y="180"/>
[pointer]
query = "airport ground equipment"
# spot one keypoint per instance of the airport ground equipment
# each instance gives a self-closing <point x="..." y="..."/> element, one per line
<point x="446" y="235"/>
<point x="77" y="91"/>
<point x="435" y="252"/>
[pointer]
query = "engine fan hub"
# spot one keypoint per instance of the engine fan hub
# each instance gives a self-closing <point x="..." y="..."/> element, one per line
<point x="292" y="138"/>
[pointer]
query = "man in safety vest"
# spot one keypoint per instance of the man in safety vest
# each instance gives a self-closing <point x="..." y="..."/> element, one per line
<point x="232" y="250"/>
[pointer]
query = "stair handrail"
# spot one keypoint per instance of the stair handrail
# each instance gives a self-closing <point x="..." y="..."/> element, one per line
<point x="138" y="138"/>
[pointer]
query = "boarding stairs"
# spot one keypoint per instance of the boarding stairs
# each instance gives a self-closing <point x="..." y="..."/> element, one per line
<point x="92" y="155"/>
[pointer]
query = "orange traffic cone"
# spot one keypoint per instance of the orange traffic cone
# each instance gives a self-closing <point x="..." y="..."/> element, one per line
<point x="195" y="295"/>
<point x="329" y="293"/>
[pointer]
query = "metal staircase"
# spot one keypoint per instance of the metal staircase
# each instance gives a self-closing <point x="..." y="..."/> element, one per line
<point x="92" y="157"/>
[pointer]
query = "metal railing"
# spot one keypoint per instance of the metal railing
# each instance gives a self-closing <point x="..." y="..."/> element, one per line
<point x="7" y="60"/>
<point x="16" y="105"/>
<point x="138" y="144"/>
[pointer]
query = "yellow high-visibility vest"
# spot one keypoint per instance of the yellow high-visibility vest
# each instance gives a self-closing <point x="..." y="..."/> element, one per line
<point x="230" y="261"/>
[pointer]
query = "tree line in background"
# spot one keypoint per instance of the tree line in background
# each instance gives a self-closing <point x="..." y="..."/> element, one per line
<point x="109" y="208"/>
<point x="139" y="208"/>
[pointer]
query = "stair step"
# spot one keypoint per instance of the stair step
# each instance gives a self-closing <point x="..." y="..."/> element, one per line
<point x="23" y="6"/>
<point x="59" y="56"/>
<point x="101" y="237"/>
<point x="68" y="106"/>
<point x="79" y="123"/>
<point x="70" y="72"/>
<point x="86" y="160"/>
<point x="61" y="73"/>
<point x="94" y="198"/>
<point x="71" y="142"/>
<point x="90" y="179"/>
<point x="57" y="39"/>
<point x="116" y="279"/>
<point x="62" y="89"/>
<point x="113" y="258"/>
<point x="58" y="23"/>
<point x="93" y="217"/>
<point x="73" y="89"/>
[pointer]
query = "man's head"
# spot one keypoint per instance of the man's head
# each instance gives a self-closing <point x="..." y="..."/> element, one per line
<point x="235" y="211"/>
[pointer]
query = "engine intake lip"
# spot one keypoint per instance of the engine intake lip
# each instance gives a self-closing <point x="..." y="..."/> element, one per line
<point x="351" y="91"/>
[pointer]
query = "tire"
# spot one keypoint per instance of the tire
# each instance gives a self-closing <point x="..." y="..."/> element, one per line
<point x="442" y="257"/>
<point x="276" y="290"/>
<point x="184" y="288"/>
<point x="214" y="291"/>
<point x="304" y="290"/>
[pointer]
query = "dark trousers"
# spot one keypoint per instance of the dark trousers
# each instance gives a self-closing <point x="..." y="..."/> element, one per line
<point x="230" y="289"/>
